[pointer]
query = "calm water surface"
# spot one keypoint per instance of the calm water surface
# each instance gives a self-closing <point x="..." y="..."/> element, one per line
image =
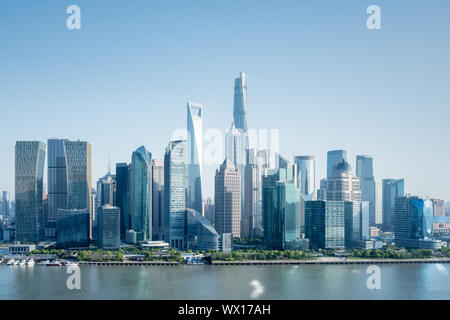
<point x="415" y="281"/>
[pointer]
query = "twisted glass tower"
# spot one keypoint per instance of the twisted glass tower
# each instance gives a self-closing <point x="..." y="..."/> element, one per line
<point x="240" y="102"/>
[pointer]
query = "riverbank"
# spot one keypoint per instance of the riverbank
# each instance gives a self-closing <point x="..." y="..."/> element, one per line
<point x="332" y="261"/>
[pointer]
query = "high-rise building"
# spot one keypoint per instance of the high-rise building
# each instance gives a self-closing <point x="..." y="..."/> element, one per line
<point x="413" y="223"/>
<point x="306" y="172"/>
<point x="364" y="171"/>
<point x="438" y="207"/>
<point x="195" y="155"/>
<point x="392" y="188"/>
<point x="356" y="223"/>
<point x="227" y="199"/>
<point x="5" y="204"/>
<point x="209" y="210"/>
<point x="74" y="228"/>
<point x="378" y="203"/>
<point x="322" y="191"/>
<point x="29" y="175"/>
<point x="174" y="194"/>
<point x="109" y="227"/>
<point x="343" y="185"/>
<point x="325" y="224"/>
<point x="57" y="178"/>
<point x="256" y="168"/>
<point x="240" y="102"/>
<point x="141" y="193"/>
<point x="79" y="176"/>
<point x="106" y="190"/>
<point x="281" y="208"/>
<point x="158" y="199"/>
<point x="334" y="157"/>
<point x="123" y="196"/>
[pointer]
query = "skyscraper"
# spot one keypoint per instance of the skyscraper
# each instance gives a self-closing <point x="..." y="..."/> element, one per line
<point x="141" y="194"/>
<point x="227" y="199"/>
<point x="122" y="196"/>
<point x="392" y="189"/>
<point x="413" y="223"/>
<point x="334" y="157"/>
<point x="109" y="227"/>
<point x="325" y="224"/>
<point x="174" y="194"/>
<point x="256" y="168"/>
<point x="281" y="208"/>
<point x="364" y="171"/>
<point x="240" y="102"/>
<point x="158" y="199"/>
<point x="438" y="207"/>
<point x="306" y="172"/>
<point x="79" y="176"/>
<point x="5" y="204"/>
<point x="343" y="185"/>
<point x="195" y="155"/>
<point x="29" y="175"/>
<point x="57" y="177"/>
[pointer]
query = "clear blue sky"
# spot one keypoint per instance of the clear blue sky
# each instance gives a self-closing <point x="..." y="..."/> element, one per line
<point x="314" y="71"/>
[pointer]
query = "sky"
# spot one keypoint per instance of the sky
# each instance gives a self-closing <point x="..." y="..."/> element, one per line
<point x="314" y="71"/>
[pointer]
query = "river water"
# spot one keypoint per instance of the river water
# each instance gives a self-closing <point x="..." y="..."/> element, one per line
<point x="414" y="281"/>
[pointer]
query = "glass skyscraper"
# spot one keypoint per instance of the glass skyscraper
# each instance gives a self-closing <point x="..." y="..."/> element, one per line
<point x="175" y="194"/>
<point x="334" y="157"/>
<point x="392" y="188"/>
<point x="281" y="208"/>
<point x="306" y="172"/>
<point x="56" y="178"/>
<point x="79" y="176"/>
<point x="195" y="155"/>
<point x="29" y="176"/>
<point x="364" y="171"/>
<point x="325" y="224"/>
<point x="122" y="196"/>
<point x="413" y="223"/>
<point x="141" y="194"/>
<point x="240" y="102"/>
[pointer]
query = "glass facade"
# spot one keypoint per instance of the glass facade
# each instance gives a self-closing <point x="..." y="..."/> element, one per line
<point x="29" y="176"/>
<point x="109" y="227"/>
<point x="174" y="194"/>
<point x="73" y="228"/>
<point x="122" y="196"/>
<point x="333" y="158"/>
<point x="195" y="155"/>
<point x="391" y="189"/>
<point x="364" y="171"/>
<point x="306" y="172"/>
<point x="141" y="194"/>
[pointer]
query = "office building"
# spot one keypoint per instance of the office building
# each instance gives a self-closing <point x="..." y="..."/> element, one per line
<point x="364" y="171"/>
<point x="392" y="188"/>
<point x="109" y="227"/>
<point x="174" y="194"/>
<point x="343" y="185"/>
<point x="281" y="208"/>
<point x="438" y="207"/>
<point x="306" y="173"/>
<point x="5" y="204"/>
<point x="79" y="177"/>
<point x="74" y="227"/>
<point x="227" y="199"/>
<point x="141" y="193"/>
<point x="322" y="191"/>
<point x="378" y="203"/>
<point x="123" y="196"/>
<point x="413" y="223"/>
<point x="334" y="157"/>
<point x="194" y="155"/>
<point x="325" y="224"/>
<point x="158" y="199"/>
<point x="29" y="175"/>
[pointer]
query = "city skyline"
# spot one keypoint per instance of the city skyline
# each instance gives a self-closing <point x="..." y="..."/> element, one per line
<point x="377" y="104"/>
